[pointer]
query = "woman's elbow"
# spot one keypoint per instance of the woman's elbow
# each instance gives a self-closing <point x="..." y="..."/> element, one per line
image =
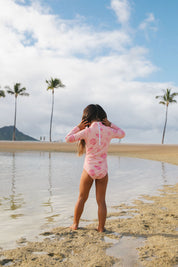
<point x="66" y="139"/>
<point x="70" y="139"/>
<point x="122" y="134"/>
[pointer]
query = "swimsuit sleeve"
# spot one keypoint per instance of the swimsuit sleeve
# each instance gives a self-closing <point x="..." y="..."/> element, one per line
<point x="117" y="132"/>
<point x="75" y="135"/>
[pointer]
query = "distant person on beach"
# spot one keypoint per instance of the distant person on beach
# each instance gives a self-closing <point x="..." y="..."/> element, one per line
<point x="94" y="132"/>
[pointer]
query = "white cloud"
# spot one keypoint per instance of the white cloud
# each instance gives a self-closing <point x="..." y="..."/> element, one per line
<point x="96" y="67"/>
<point x="149" y="24"/>
<point x="122" y="10"/>
<point x="52" y="33"/>
<point x="20" y="1"/>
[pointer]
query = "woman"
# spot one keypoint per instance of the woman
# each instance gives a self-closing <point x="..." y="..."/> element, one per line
<point x="95" y="133"/>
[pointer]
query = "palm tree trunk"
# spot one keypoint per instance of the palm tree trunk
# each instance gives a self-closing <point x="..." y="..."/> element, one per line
<point x="51" y="116"/>
<point x="164" y="130"/>
<point x="13" y="138"/>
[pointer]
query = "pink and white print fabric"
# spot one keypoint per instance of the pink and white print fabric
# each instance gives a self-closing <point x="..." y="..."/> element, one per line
<point x="97" y="138"/>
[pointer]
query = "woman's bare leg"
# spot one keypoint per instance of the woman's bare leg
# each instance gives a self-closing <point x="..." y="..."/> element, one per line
<point x="85" y="184"/>
<point x="101" y="185"/>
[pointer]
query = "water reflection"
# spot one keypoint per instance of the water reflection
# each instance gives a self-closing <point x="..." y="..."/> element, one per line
<point x="15" y="200"/>
<point x="50" y="183"/>
<point x="163" y="172"/>
<point x="49" y="202"/>
<point x="43" y="187"/>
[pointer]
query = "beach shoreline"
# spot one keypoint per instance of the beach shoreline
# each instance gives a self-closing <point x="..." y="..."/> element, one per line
<point x="166" y="152"/>
<point x="153" y="218"/>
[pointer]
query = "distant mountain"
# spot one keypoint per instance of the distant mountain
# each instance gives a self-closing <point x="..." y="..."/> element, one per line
<point x="7" y="132"/>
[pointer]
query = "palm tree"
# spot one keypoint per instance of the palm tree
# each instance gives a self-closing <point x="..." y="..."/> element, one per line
<point x="2" y="93"/>
<point x="16" y="91"/>
<point x="52" y="84"/>
<point x="166" y="99"/>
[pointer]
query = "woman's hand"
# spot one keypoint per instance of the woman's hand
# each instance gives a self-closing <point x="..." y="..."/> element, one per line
<point x="106" y="122"/>
<point x="83" y="124"/>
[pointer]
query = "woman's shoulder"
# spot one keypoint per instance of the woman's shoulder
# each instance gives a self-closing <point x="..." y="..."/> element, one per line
<point x="105" y="128"/>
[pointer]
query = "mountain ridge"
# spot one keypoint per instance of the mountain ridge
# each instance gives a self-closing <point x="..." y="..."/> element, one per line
<point x="6" y="134"/>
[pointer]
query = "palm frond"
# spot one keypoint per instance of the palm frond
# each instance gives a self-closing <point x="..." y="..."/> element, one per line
<point x="10" y="92"/>
<point x="24" y="94"/>
<point x="2" y="93"/>
<point x="16" y="90"/>
<point x="162" y="102"/>
<point x="174" y="94"/>
<point x="54" y="83"/>
<point x="167" y="97"/>
<point x="50" y="88"/>
<point x="21" y="90"/>
<point x="173" y="101"/>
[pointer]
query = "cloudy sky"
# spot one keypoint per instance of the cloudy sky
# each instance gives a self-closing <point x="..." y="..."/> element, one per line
<point x="117" y="53"/>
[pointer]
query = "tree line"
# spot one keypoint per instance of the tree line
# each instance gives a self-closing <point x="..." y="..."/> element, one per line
<point x="17" y="90"/>
<point x="166" y="99"/>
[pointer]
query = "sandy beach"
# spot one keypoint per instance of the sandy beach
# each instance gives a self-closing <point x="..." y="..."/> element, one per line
<point x="165" y="153"/>
<point x="150" y="220"/>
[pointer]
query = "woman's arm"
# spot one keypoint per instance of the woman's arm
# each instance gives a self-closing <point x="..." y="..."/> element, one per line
<point x="70" y="136"/>
<point x="77" y="133"/>
<point x="116" y="131"/>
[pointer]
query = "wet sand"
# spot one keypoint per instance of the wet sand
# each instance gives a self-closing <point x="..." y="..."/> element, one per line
<point x="153" y="219"/>
<point x="165" y="153"/>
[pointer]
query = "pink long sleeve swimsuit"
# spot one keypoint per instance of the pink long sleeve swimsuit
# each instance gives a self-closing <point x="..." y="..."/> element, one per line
<point x="97" y="138"/>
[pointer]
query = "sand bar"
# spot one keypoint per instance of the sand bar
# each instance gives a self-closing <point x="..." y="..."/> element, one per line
<point x="165" y="153"/>
<point x="152" y="218"/>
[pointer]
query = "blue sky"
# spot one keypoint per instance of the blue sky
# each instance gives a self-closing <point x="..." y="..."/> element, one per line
<point x="162" y="43"/>
<point x="118" y="53"/>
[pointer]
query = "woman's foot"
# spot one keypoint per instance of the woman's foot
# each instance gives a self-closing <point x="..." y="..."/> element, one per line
<point x="74" y="226"/>
<point x="101" y="230"/>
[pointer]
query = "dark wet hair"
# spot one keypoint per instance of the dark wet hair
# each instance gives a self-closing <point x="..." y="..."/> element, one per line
<point x="94" y="112"/>
<point x="90" y="113"/>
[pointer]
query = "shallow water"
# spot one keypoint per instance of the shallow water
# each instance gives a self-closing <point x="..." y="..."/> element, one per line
<point x="38" y="190"/>
<point x="126" y="251"/>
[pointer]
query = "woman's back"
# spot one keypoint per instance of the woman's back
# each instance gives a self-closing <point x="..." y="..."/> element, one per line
<point x="97" y="138"/>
